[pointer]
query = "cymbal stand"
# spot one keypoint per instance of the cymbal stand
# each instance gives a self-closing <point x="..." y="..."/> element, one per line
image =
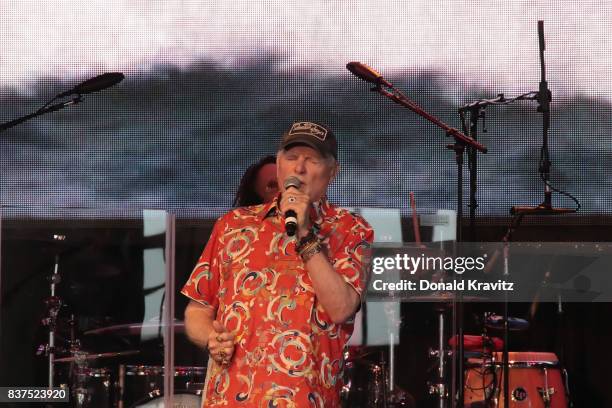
<point x="377" y="390"/>
<point x="439" y="387"/>
<point x="78" y="369"/>
<point x="505" y="353"/>
<point x="80" y="391"/>
<point x="54" y="304"/>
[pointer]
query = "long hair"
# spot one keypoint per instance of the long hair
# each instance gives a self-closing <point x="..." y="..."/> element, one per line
<point x="246" y="194"/>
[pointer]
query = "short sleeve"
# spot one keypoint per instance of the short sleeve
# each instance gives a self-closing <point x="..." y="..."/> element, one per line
<point x="352" y="257"/>
<point x="203" y="283"/>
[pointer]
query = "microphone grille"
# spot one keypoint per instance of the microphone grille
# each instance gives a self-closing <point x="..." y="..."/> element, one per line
<point x="292" y="182"/>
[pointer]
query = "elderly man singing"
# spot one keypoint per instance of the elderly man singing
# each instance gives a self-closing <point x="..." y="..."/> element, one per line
<point x="273" y="302"/>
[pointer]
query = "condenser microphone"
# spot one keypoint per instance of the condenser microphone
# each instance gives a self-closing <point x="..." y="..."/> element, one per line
<point x="95" y="84"/>
<point x="366" y="73"/>
<point x="290" y="215"/>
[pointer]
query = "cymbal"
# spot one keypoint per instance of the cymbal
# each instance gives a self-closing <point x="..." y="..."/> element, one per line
<point x="358" y="352"/>
<point x="96" y="356"/>
<point x="514" y="323"/>
<point x="134" y="329"/>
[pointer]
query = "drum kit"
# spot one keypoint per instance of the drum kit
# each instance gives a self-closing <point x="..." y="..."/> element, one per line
<point x="115" y="379"/>
<point x="115" y="383"/>
<point x="535" y="379"/>
<point x="122" y="385"/>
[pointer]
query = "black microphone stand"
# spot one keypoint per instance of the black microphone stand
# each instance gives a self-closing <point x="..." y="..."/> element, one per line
<point x="477" y="110"/>
<point x="461" y="142"/>
<point x="42" y="111"/>
<point x="544" y="98"/>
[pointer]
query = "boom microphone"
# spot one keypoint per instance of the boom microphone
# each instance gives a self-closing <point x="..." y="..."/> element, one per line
<point x="95" y="84"/>
<point x="366" y="73"/>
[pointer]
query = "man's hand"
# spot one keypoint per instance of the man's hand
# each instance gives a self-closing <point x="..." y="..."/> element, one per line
<point x="221" y="344"/>
<point x="294" y="199"/>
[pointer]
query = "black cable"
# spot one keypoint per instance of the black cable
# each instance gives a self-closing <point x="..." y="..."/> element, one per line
<point x="553" y="188"/>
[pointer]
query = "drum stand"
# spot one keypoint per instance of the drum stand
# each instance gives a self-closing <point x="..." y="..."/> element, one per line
<point x="54" y="304"/>
<point x="439" y="387"/>
<point x="377" y="397"/>
<point x="78" y="368"/>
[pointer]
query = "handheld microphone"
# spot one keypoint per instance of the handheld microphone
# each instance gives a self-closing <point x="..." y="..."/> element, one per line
<point x="368" y="74"/>
<point x="95" y="84"/>
<point x="290" y="215"/>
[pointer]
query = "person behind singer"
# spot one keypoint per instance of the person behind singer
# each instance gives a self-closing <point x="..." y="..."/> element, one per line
<point x="258" y="183"/>
<point x="275" y="311"/>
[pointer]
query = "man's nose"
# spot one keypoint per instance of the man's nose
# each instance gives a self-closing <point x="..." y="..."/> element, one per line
<point x="300" y="166"/>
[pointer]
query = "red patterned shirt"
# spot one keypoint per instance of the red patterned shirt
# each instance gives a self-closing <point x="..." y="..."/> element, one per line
<point x="288" y="351"/>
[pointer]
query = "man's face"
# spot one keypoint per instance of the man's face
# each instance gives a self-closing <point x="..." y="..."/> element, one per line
<point x="309" y="166"/>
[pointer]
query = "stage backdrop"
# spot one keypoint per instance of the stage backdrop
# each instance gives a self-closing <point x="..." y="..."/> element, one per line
<point x="210" y="86"/>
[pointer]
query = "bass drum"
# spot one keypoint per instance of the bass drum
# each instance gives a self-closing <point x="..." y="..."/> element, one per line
<point x="182" y="399"/>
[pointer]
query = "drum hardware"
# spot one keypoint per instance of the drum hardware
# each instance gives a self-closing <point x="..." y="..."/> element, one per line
<point x="181" y="399"/>
<point x="435" y="353"/>
<point x="53" y="304"/>
<point x="194" y="387"/>
<point x="438" y="387"/>
<point x="84" y="356"/>
<point x="143" y="386"/>
<point x="367" y="383"/>
<point x="134" y="329"/>
<point x="546" y="392"/>
<point x="377" y="393"/>
<point x="535" y="380"/>
<point x="567" y="388"/>
<point x="92" y="387"/>
<point x="69" y="365"/>
<point x="476" y="345"/>
<point x="496" y="322"/>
